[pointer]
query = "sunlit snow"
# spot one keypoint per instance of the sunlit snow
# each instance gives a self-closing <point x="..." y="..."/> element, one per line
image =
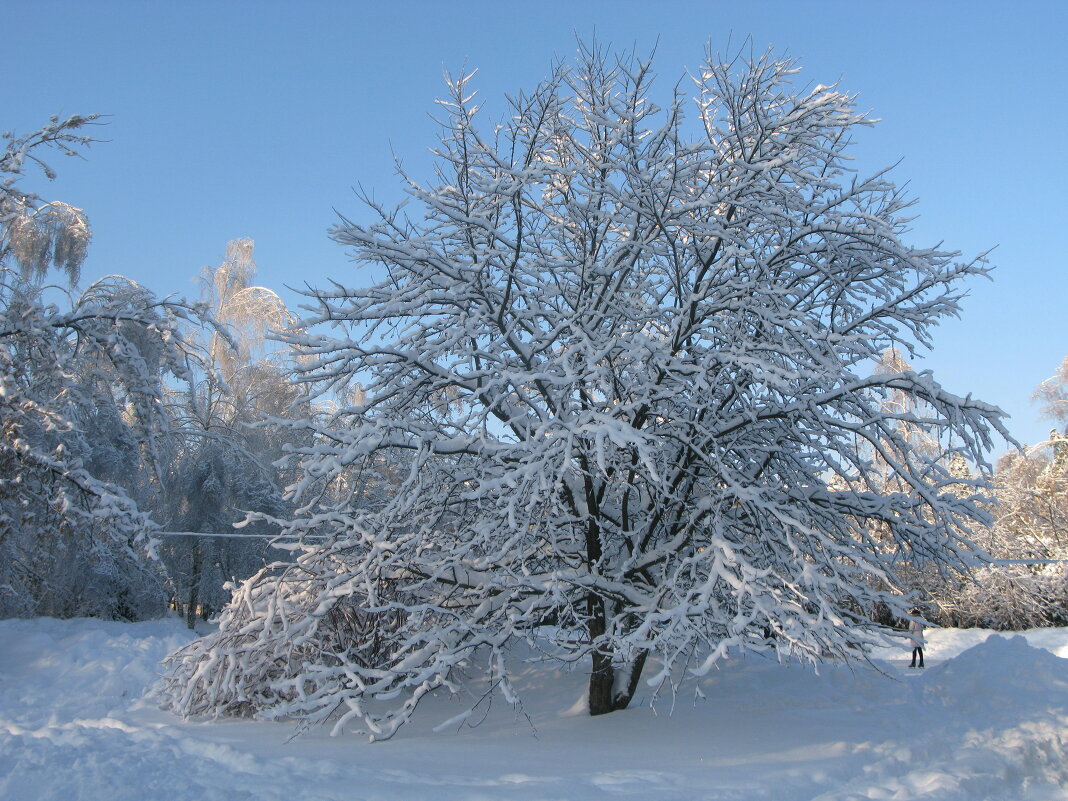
<point x="986" y="720"/>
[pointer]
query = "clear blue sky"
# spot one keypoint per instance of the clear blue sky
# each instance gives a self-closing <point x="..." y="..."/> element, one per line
<point x="233" y="119"/>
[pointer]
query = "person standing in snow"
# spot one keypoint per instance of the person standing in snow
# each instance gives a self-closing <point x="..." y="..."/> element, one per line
<point x="916" y="637"/>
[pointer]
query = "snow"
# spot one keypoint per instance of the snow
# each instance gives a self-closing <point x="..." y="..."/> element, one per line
<point x="986" y="720"/>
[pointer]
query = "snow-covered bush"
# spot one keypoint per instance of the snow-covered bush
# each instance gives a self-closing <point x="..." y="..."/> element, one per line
<point x="617" y="379"/>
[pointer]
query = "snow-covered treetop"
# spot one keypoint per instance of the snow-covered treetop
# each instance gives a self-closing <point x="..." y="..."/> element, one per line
<point x="41" y="234"/>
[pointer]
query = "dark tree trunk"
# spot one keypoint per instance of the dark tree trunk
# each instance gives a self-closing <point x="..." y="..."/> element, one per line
<point x="602" y="680"/>
<point x="602" y="677"/>
<point x="604" y="697"/>
<point x="624" y="696"/>
<point x="194" y="586"/>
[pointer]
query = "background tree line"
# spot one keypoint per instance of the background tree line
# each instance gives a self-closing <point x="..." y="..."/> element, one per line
<point x="125" y="415"/>
<point x="1021" y="581"/>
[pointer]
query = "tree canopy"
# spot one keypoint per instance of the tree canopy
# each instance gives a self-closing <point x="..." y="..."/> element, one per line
<point x="617" y="394"/>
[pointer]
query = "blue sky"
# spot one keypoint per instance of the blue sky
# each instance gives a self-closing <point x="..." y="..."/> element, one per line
<point x="257" y="119"/>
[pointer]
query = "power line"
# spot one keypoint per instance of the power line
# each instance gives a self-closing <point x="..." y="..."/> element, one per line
<point x="1010" y="562"/>
<point x="211" y="535"/>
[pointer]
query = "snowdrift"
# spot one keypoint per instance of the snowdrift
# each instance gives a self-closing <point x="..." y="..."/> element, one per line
<point x="986" y="720"/>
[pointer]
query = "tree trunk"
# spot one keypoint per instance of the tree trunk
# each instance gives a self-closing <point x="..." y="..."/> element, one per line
<point x="602" y="680"/>
<point x="605" y="697"/>
<point x="194" y="586"/>
<point x="602" y="677"/>
<point x="626" y="692"/>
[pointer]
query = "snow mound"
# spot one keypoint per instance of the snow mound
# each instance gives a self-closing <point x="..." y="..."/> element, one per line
<point x="1001" y="675"/>
<point x="84" y="668"/>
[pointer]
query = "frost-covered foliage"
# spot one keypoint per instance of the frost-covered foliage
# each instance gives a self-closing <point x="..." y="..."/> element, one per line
<point x="1053" y="394"/>
<point x="218" y="462"/>
<point x="617" y="381"/>
<point x="1027" y="585"/>
<point x="37" y="235"/>
<point x="81" y="379"/>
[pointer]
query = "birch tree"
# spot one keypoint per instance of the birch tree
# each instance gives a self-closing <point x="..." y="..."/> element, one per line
<point x="219" y="462"/>
<point x="621" y="352"/>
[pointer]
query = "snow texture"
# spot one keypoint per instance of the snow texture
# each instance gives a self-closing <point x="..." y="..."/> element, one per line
<point x="986" y="720"/>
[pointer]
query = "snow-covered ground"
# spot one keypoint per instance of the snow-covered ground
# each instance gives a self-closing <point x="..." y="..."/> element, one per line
<point x="988" y="719"/>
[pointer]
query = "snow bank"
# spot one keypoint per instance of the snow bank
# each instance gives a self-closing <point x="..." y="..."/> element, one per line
<point x="62" y="669"/>
<point x="986" y="720"/>
<point x="989" y="722"/>
<point x="998" y="678"/>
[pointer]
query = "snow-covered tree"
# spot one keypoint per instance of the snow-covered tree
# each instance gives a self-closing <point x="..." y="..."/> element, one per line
<point x="81" y="380"/>
<point x="1028" y="583"/>
<point x="1053" y="394"/>
<point x="619" y="360"/>
<point x="218" y="462"/>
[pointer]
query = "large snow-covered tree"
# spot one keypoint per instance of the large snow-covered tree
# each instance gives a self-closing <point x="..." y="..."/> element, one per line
<point x="81" y="380"/>
<point x="617" y="358"/>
